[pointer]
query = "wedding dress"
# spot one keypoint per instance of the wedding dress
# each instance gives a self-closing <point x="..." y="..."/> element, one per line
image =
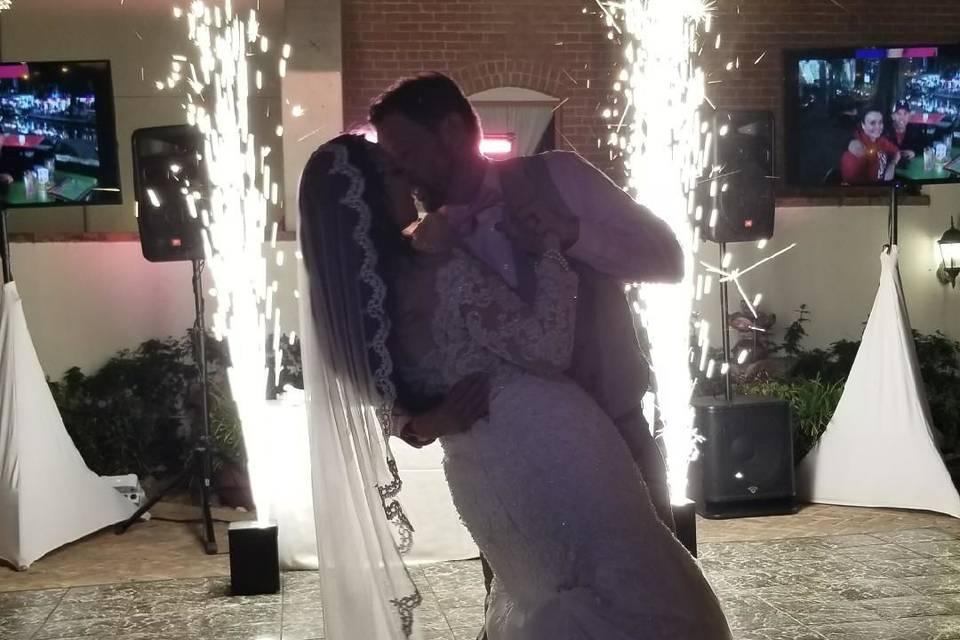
<point x="545" y="483"/>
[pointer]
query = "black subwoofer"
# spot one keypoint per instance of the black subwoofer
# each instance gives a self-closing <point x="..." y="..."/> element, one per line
<point x="745" y="466"/>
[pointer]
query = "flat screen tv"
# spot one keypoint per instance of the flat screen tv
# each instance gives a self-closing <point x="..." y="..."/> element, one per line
<point x="58" y="134"/>
<point x="878" y="115"/>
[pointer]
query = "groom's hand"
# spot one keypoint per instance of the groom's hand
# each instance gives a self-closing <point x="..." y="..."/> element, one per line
<point x="467" y="402"/>
<point x="532" y="224"/>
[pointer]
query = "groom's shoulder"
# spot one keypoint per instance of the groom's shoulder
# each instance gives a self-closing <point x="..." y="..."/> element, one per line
<point x="558" y="163"/>
<point x="557" y="158"/>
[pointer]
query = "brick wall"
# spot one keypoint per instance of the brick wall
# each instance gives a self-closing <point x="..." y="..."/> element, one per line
<point x="547" y="45"/>
<point x="488" y="43"/>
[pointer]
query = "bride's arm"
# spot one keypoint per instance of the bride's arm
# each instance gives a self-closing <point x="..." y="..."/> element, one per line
<point x="538" y="336"/>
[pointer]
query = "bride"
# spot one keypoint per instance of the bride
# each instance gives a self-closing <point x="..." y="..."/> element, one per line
<point x="544" y="482"/>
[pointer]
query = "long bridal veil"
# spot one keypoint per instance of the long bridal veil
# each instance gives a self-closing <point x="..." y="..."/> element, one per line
<point x="366" y="589"/>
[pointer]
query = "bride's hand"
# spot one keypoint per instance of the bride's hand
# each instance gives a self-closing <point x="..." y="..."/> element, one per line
<point x="433" y="234"/>
<point x="550" y="242"/>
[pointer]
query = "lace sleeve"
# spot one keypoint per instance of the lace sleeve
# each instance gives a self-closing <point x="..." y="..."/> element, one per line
<point x="537" y="337"/>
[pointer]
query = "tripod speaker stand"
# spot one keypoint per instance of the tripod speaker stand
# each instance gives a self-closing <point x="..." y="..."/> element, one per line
<point x="168" y="233"/>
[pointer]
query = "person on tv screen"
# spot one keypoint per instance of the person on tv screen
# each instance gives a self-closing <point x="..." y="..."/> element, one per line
<point x="870" y="157"/>
<point x="909" y="139"/>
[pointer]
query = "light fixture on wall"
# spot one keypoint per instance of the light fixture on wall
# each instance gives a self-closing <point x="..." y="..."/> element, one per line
<point x="497" y="144"/>
<point x="949" y="255"/>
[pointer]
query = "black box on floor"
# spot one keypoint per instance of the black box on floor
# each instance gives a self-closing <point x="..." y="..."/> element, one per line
<point x="254" y="559"/>
<point x="685" y="521"/>
<point x="745" y="466"/>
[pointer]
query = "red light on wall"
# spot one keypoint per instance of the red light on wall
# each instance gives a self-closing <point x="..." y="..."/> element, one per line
<point x="496" y="146"/>
<point x="489" y="145"/>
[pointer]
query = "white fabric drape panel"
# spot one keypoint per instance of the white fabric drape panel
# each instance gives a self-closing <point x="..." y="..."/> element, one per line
<point x="360" y="567"/>
<point x="878" y="450"/>
<point x="439" y="535"/>
<point x="526" y="121"/>
<point x="290" y="495"/>
<point x="48" y="496"/>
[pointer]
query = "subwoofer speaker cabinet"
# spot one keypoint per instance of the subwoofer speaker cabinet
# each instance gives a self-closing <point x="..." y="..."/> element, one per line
<point x="745" y="466"/>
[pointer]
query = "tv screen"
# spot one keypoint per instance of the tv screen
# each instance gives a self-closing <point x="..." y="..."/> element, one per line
<point x="872" y="115"/>
<point x="58" y="138"/>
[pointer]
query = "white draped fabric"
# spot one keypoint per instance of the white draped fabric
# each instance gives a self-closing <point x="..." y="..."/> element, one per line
<point x="366" y="589"/>
<point x="878" y="450"/>
<point x="48" y="496"/>
<point x="438" y="533"/>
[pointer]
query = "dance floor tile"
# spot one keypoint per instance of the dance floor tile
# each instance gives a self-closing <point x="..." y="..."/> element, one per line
<point x="828" y="573"/>
<point x="785" y="633"/>
<point x="933" y="585"/>
<point x="853" y="540"/>
<point x="931" y="628"/>
<point x="751" y="612"/>
<point x="12" y="602"/>
<point x="913" y="606"/>
<point x="465" y="617"/>
<point x="465" y="634"/>
<point x="857" y="588"/>
<point x="466" y="597"/>
<point x="302" y="630"/>
<point x="24" y="622"/>
<point x="885" y="551"/>
<point x="924" y="534"/>
<point x="907" y="568"/>
<point x="936" y="548"/>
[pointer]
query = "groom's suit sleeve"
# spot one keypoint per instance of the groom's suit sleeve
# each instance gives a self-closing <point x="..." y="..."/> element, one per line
<point x="618" y="236"/>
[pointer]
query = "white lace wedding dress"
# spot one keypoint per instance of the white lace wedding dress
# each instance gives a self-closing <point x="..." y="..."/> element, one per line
<point x="545" y="484"/>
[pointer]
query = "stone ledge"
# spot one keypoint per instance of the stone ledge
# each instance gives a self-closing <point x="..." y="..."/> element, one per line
<point x="848" y="197"/>
<point x="107" y="236"/>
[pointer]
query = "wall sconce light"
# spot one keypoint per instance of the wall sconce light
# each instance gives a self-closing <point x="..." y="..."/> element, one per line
<point x="949" y="256"/>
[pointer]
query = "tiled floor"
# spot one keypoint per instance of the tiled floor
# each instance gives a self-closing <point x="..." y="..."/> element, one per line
<point x="900" y="581"/>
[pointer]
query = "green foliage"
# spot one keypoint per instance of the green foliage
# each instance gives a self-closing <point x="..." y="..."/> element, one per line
<point x="129" y="416"/>
<point x="795" y="332"/>
<point x="812" y="403"/>
<point x="832" y="364"/>
<point x="225" y="428"/>
<point x="135" y="414"/>
<point x="939" y="358"/>
<point x="814" y="379"/>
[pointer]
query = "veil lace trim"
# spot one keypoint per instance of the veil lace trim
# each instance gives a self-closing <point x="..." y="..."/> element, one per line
<point x="376" y="312"/>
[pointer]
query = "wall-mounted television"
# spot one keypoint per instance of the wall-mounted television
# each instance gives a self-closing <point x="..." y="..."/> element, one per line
<point x="58" y="134"/>
<point x="872" y="115"/>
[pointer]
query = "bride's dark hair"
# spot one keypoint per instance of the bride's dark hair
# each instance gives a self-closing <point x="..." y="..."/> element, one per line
<point x="339" y="234"/>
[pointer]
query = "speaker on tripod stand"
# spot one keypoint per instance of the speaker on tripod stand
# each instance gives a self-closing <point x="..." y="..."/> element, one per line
<point x="167" y="165"/>
<point x="743" y="204"/>
<point x="745" y="466"/>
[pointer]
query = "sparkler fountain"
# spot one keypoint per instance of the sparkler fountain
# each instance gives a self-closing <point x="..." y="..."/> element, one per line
<point x="659" y="134"/>
<point x="234" y="211"/>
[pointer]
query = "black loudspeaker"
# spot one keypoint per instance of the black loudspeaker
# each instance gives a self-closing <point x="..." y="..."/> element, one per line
<point x="167" y="161"/>
<point x="745" y="466"/>
<point x="254" y="558"/>
<point x="744" y="199"/>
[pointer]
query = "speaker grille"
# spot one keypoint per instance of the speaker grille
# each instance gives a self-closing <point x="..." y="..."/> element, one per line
<point x="744" y="156"/>
<point x="166" y="160"/>
<point x="747" y="453"/>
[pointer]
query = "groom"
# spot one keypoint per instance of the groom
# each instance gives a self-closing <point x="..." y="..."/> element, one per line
<point x="428" y="126"/>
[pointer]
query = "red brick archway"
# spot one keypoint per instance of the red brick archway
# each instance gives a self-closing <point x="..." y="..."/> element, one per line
<point x="526" y="74"/>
